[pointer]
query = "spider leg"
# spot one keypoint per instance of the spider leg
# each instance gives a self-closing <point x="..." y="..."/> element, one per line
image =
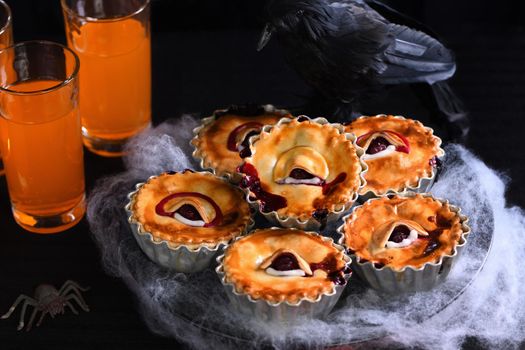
<point x="30" y="324"/>
<point x="29" y="300"/>
<point x="71" y="307"/>
<point x="80" y="302"/>
<point x="41" y="319"/>
<point x="69" y="283"/>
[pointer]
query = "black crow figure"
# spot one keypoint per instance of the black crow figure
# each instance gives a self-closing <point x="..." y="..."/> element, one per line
<point x="348" y="48"/>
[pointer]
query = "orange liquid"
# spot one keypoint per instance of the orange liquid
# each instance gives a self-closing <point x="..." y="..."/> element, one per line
<point x="115" y="77"/>
<point x="5" y="41"/>
<point x="42" y="149"/>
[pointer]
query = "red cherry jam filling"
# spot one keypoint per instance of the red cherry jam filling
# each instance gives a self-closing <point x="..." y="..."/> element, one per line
<point x="400" y="233"/>
<point x="380" y="143"/>
<point x="242" y="146"/>
<point x="329" y="264"/>
<point x="188" y="211"/>
<point x="377" y="145"/>
<point x="285" y="262"/>
<point x="269" y="201"/>
<point x="300" y="174"/>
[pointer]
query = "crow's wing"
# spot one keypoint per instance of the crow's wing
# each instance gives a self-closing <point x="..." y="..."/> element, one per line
<point x="414" y="56"/>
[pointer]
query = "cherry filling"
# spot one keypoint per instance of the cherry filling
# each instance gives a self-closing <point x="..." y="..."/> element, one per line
<point x="329" y="264"/>
<point x="233" y="143"/>
<point x="379" y="143"/>
<point x="301" y="174"/>
<point x="285" y="262"/>
<point x="269" y="201"/>
<point x="188" y="211"/>
<point x="244" y="147"/>
<point x="433" y="240"/>
<point x="288" y="262"/>
<point x="400" y="233"/>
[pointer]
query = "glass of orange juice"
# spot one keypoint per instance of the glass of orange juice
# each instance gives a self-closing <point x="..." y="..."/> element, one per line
<point x="112" y="40"/>
<point x="40" y="135"/>
<point x="6" y="39"/>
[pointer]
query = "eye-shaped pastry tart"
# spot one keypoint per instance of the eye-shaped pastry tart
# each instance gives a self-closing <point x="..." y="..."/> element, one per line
<point x="181" y="220"/>
<point x="404" y="243"/>
<point x="303" y="172"/>
<point x="222" y="139"/>
<point x="401" y="154"/>
<point x="279" y="274"/>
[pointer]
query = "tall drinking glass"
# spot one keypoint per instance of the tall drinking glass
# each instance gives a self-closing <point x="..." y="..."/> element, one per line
<point x="112" y="40"/>
<point x="6" y="39"/>
<point x="40" y="135"/>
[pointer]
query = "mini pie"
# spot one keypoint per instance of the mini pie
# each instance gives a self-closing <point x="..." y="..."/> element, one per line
<point x="284" y="265"/>
<point x="223" y="135"/>
<point x="191" y="209"/>
<point x="399" y="152"/>
<point x="296" y="171"/>
<point x="401" y="231"/>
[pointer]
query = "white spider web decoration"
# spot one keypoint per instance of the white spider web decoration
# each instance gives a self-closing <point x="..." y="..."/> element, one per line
<point x="486" y="304"/>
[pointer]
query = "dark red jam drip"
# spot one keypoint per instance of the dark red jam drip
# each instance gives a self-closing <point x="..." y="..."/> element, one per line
<point x="380" y="143"/>
<point x="329" y="264"/>
<point x="285" y="262"/>
<point x="399" y="234"/>
<point x="329" y="186"/>
<point x="377" y="145"/>
<point x="233" y="137"/>
<point x="160" y="208"/>
<point x="245" y="151"/>
<point x="269" y="201"/>
<point x="433" y="240"/>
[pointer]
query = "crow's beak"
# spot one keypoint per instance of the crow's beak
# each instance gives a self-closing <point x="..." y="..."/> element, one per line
<point x="265" y="36"/>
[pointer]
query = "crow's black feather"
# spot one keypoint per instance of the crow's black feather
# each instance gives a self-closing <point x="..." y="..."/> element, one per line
<point x="346" y="48"/>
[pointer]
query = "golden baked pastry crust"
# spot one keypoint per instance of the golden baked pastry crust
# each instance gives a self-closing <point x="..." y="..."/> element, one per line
<point x="235" y="211"/>
<point x="242" y="265"/>
<point x="300" y="141"/>
<point x="398" y="170"/>
<point x="367" y="230"/>
<point x="211" y="141"/>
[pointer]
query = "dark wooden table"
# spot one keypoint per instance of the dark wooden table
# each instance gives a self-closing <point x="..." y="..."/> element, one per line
<point x="197" y="71"/>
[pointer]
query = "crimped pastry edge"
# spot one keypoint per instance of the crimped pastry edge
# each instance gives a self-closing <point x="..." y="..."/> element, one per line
<point x="409" y="278"/>
<point x="339" y="209"/>
<point x="171" y="254"/>
<point x="334" y="292"/>
<point x="419" y="183"/>
<point x="202" y="157"/>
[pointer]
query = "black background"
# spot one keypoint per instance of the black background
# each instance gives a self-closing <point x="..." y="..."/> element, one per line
<point x="204" y="57"/>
